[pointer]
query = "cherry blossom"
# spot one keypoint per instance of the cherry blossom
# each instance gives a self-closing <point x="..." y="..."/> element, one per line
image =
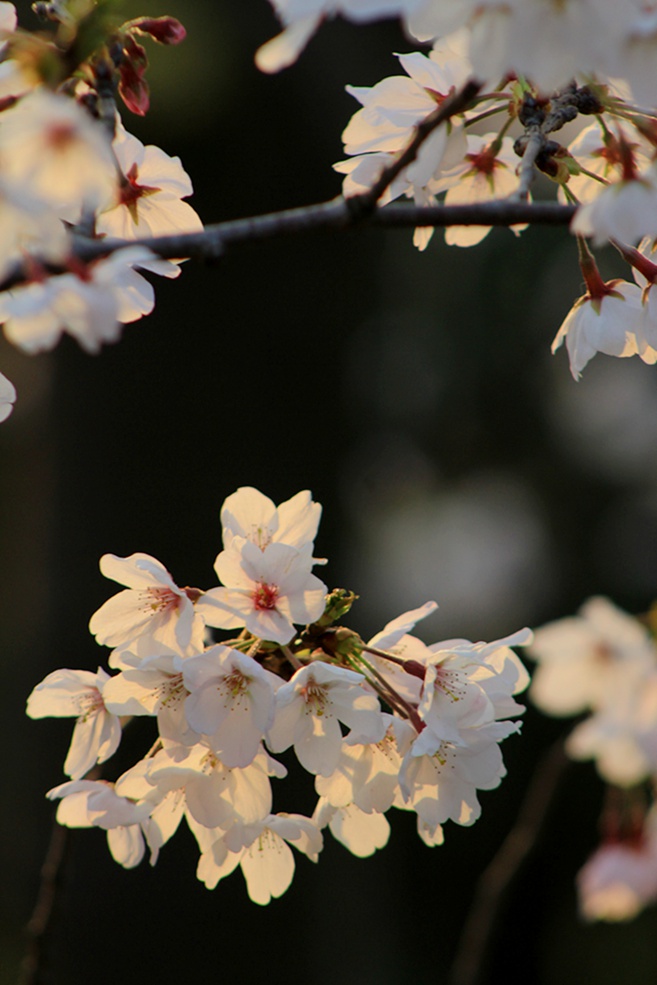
<point x="249" y="515"/>
<point x="619" y="880"/>
<point x="150" y="195"/>
<point x="267" y="591"/>
<point x="94" y="803"/>
<point x="78" y="693"/>
<point x="603" y="324"/>
<point x="152" y="607"/>
<point x="265" y="859"/>
<point x="309" y="709"/>
<point x="231" y="701"/>
<point x="583" y="659"/>
<point x="91" y="303"/>
<point x="58" y="153"/>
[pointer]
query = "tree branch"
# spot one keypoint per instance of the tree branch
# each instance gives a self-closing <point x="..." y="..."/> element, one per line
<point x="496" y="878"/>
<point x="39" y="927"/>
<point x="336" y="214"/>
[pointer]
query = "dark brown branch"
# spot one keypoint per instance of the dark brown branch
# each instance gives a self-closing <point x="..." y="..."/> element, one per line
<point x="335" y="214"/>
<point x="40" y="924"/>
<point x="496" y="879"/>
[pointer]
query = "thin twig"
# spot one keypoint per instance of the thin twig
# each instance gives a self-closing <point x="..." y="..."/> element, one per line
<point x="526" y="169"/>
<point x="497" y="877"/>
<point x="40" y="923"/>
<point x="454" y="104"/>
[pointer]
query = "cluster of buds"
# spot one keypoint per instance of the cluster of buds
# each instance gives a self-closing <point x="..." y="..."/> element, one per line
<point x="69" y="169"/>
<point x="602" y="664"/>
<point x="387" y="723"/>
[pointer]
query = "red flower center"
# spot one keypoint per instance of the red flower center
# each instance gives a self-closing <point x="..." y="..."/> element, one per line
<point x="265" y="596"/>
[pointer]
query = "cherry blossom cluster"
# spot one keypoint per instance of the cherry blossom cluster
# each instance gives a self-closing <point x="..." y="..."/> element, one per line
<point x="538" y="67"/>
<point x="387" y="723"/>
<point x="602" y="664"/>
<point x="68" y="167"/>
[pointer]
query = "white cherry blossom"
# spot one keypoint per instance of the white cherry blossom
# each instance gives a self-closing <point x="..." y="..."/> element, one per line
<point x="583" y="659"/>
<point x="267" y="591"/>
<point x="78" y="693"/>
<point x="265" y="859"/>
<point x="152" y="608"/>
<point x="231" y="702"/>
<point x="150" y="195"/>
<point x="90" y="304"/>
<point x="50" y="145"/>
<point x="606" y="324"/>
<point x="309" y="709"/>
<point x="249" y="515"/>
<point x="94" y="803"/>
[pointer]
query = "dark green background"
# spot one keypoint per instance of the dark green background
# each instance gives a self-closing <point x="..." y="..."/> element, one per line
<point x="416" y="396"/>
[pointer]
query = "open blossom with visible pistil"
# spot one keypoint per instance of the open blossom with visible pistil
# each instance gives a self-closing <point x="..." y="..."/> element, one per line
<point x="309" y="709"/>
<point x="249" y="515"/>
<point x="152" y="606"/>
<point x="267" y="591"/>
<point x="231" y="702"/>
<point x="78" y="693"/>
<point x="150" y="196"/>
<point x="154" y="687"/>
<point x="263" y="855"/>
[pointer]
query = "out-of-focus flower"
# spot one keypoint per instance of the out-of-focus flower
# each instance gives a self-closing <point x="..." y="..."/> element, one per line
<point x="58" y="152"/>
<point x="7" y="397"/>
<point x="91" y="304"/>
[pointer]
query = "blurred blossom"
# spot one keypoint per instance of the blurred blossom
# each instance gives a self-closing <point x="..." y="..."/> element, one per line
<point x="479" y="548"/>
<point x="608" y="427"/>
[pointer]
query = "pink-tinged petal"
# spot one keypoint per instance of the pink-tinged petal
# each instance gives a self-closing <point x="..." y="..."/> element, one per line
<point x="210" y="870"/>
<point x="270" y="625"/>
<point x="126" y="845"/>
<point x="62" y="694"/>
<point x="298" y="520"/>
<point x="284" y="49"/>
<point x="249" y="514"/>
<point x="137" y="571"/>
<point x="225" y="608"/>
<point x="205" y="710"/>
<point x="268" y="867"/>
<point x="231" y="570"/>
<point x="361" y="833"/>
<point x="311" y="604"/>
<point x="317" y="744"/>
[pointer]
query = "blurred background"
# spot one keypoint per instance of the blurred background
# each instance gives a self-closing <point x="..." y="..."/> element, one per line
<point x="456" y="459"/>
